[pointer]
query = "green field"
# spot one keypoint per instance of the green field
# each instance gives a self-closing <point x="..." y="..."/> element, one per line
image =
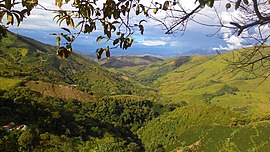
<point x="7" y="83"/>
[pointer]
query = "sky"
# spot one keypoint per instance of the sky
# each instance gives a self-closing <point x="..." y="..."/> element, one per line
<point x="196" y="40"/>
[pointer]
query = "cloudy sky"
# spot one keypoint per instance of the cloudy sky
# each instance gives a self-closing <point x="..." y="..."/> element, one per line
<point x="195" y="40"/>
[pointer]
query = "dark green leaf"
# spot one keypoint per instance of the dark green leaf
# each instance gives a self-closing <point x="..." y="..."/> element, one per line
<point x="17" y="18"/>
<point x="2" y="15"/>
<point x="115" y="41"/>
<point x="237" y="4"/>
<point x="63" y="52"/>
<point x="100" y="38"/>
<point x="210" y="3"/>
<point x="71" y="22"/>
<point x="166" y="5"/>
<point x="69" y="47"/>
<point x="67" y="37"/>
<point x="141" y="29"/>
<point x="246" y="2"/>
<point x="53" y="34"/>
<point x="108" y="54"/>
<point x="99" y="53"/>
<point x="137" y="10"/>
<point x="228" y="5"/>
<point x="8" y="4"/>
<point x="66" y="30"/>
<point x="73" y="38"/>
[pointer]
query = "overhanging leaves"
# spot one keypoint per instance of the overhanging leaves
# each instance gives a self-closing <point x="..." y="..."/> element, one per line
<point x="166" y="5"/>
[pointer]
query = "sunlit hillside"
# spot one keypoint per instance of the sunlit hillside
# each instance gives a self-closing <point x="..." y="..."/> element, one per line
<point x="25" y="59"/>
<point x="188" y="103"/>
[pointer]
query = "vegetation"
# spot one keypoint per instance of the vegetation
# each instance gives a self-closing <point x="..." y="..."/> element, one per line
<point x="183" y="104"/>
<point x="40" y="63"/>
<point x="204" y="128"/>
<point x="116" y="20"/>
<point x="210" y="80"/>
<point x="128" y="61"/>
<point x="6" y="83"/>
<point x="148" y="74"/>
<point x="69" y="125"/>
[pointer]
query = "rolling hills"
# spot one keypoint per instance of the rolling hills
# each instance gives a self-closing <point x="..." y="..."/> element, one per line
<point x="188" y="103"/>
<point x="70" y="104"/>
<point x="25" y="59"/>
<point x="204" y="128"/>
<point x="206" y="79"/>
<point x="128" y="61"/>
<point x="212" y="90"/>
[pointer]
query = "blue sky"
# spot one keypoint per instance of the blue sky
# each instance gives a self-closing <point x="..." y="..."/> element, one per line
<point x="195" y="40"/>
<point x="152" y="42"/>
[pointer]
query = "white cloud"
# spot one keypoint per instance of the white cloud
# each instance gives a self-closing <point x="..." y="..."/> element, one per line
<point x="165" y="38"/>
<point x="174" y="43"/>
<point x="152" y="42"/>
<point x="233" y="42"/>
<point x="41" y="19"/>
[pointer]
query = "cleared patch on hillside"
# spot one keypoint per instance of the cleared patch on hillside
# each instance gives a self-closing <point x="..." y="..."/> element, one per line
<point x="6" y="82"/>
<point x="60" y="91"/>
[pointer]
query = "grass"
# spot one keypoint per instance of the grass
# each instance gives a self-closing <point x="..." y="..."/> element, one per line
<point x="24" y="52"/>
<point x="200" y="79"/>
<point x="168" y="128"/>
<point x="205" y="128"/>
<point x="24" y="58"/>
<point x="6" y="83"/>
<point x="240" y="98"/>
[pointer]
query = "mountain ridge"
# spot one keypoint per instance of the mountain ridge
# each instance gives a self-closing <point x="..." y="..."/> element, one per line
<point x="128" y="61"/>
<point x="27" y="59"/>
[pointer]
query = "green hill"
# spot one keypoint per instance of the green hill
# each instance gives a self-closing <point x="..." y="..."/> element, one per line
<point x="212" y="80"/>
<point x="149" y="73"/>
<point x="204" y="128"/>
<point x="41" y="106"/>
<point x="22" y="58"/>
<point x="207" y="79"/>
<point x="227" y="109"/>
<point x="128" y="61"/>
<point x="190" y="103"/>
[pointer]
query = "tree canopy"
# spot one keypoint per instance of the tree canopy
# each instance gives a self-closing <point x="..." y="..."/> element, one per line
<point x="120" y="19"/>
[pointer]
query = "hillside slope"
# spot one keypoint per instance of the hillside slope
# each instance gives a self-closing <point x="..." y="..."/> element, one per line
<point x="128" y="61"/>
<point x="227" y="109"/>
<point x="147" y="74"/>
<point x="204" y="128"/>
<point x="207" y="79"/>
<point x="26" y="59"/>
<point x="41" y="106"/>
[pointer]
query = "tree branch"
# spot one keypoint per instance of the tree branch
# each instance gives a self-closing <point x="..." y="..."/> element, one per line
<point x="184" y="18"/>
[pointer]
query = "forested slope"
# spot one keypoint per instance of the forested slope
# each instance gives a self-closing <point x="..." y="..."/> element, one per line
<point x="227" y="109"/>
<point x="25" y="59"/>
<point x="53" y="104"/>
<point x="190" y="103"/>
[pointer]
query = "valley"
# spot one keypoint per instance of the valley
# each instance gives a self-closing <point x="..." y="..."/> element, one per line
<point x="129" y="103"/>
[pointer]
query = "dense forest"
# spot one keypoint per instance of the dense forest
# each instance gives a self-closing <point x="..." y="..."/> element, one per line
<point x="146" y="104"/>
<point x="53" y="124"/>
